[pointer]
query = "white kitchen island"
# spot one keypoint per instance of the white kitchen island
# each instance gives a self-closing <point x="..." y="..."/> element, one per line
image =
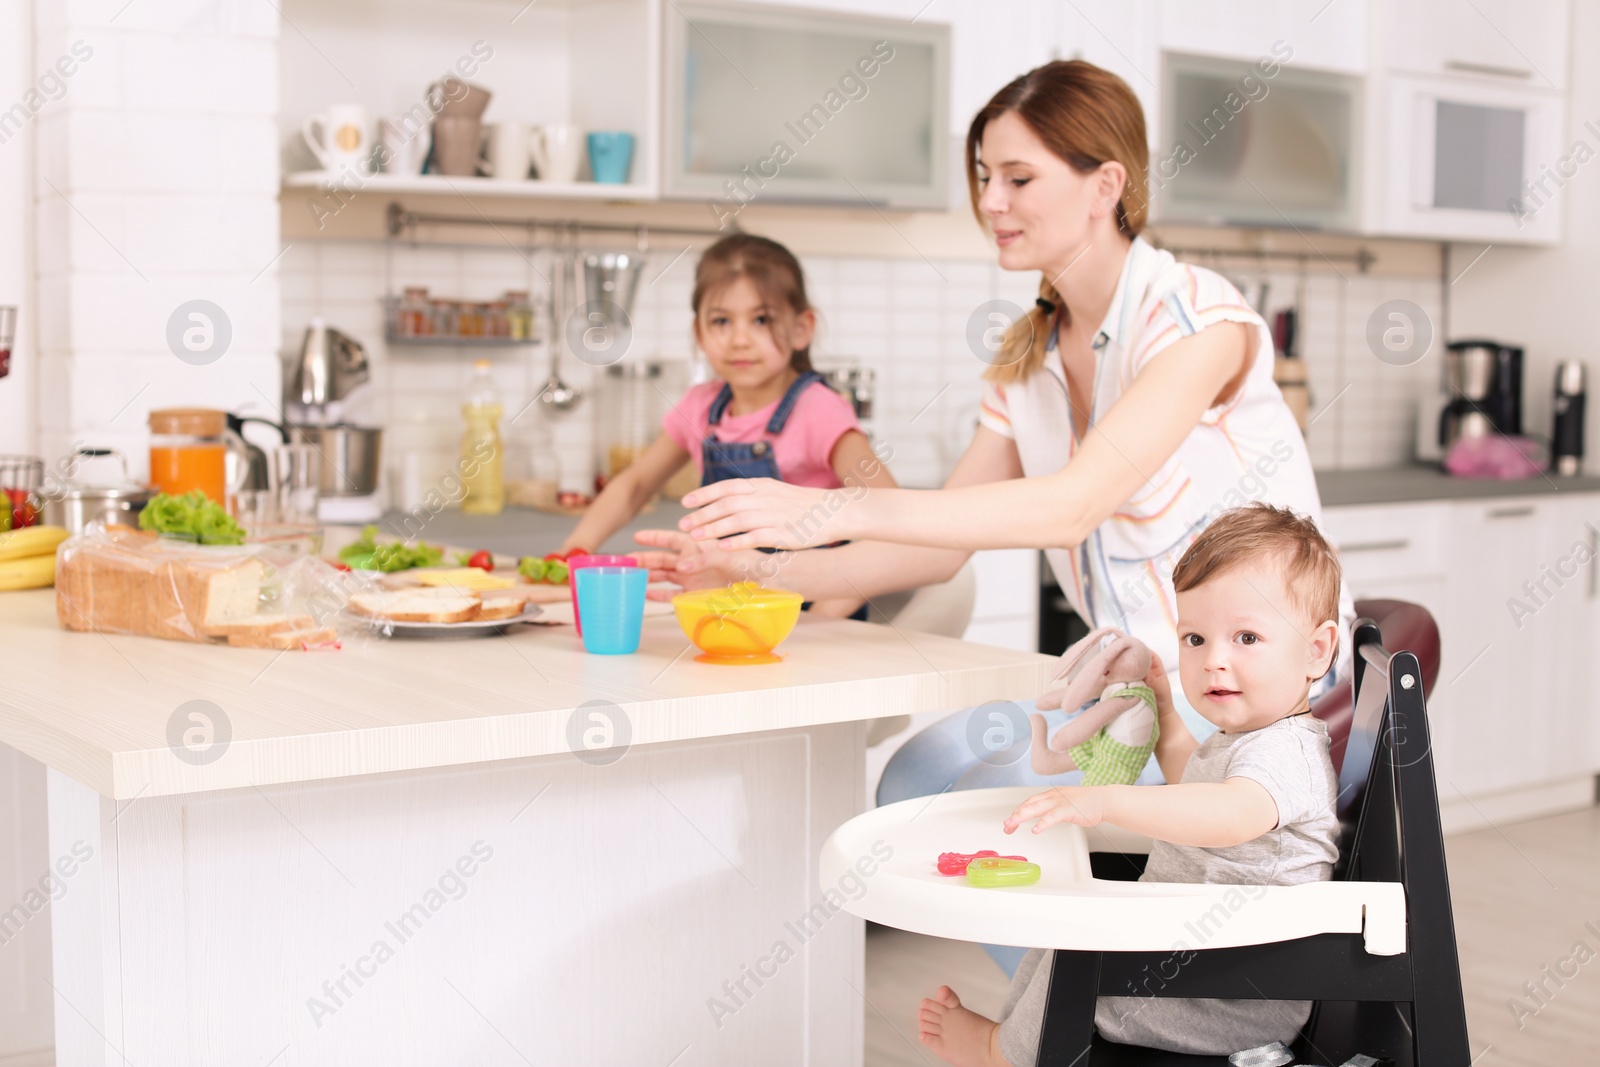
<point x="491" y="851"/>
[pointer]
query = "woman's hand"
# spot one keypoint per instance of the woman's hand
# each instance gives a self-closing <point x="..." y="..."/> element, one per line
<point x="1081" y="805"/>
<point x="765" y="513"/>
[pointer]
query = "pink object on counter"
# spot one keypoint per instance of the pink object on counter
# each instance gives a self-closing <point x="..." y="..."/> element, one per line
<point x="591" y="561"/>
<point x="1497" y="457"/>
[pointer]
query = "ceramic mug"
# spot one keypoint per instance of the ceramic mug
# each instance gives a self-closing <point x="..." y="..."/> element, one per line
<point x="557" y="152"/>
<point x="610" y="155"/>
<point x="405" y="145"/>
<point x="509" y="154"/>
<point x="456" y="142"/>
<point x="339" y="138"/>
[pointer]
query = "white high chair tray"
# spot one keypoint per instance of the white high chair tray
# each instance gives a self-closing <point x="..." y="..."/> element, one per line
<point x="1068" y="908"/>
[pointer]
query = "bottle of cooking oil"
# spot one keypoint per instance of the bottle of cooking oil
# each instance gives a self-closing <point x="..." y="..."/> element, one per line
<point x="482" y="453"/>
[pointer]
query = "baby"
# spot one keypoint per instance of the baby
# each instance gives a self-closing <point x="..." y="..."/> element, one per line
<point x="1258" y="600"/>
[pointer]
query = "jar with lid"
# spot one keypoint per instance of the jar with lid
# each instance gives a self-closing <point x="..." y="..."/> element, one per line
<point x="189" y="450"/>
<point x="634" y="399"/>
<point x="414" y="319"/>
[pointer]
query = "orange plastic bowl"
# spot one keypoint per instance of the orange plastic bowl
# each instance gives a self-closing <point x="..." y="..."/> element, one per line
<point x="740" y="623"/>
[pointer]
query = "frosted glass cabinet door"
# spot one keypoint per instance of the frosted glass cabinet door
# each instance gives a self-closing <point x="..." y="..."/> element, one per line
<point x="764" y="104"/>
<point x="1257" y="143"/>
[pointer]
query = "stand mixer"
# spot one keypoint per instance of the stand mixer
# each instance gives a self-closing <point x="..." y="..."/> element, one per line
<point x="319" y="387"/>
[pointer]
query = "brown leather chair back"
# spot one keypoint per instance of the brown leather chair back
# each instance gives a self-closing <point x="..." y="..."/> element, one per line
<point x="1406" y="627"/>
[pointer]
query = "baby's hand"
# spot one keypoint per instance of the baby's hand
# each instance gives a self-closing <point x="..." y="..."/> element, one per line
<point x="1078" y="804"/>
<point x="1158" y="683"/>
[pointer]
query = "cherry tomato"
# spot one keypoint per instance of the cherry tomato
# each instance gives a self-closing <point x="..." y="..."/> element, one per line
<point x="482" y="559"/>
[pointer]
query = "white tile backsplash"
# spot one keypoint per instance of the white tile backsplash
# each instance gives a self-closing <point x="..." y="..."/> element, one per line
<point x="902" y="317"/>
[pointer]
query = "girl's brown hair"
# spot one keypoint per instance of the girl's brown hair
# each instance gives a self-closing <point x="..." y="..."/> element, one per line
<point x="1086" y="116"/>
<point x="775" y="273"/>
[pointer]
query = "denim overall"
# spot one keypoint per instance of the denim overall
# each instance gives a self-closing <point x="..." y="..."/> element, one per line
<point x="721" y="460"/>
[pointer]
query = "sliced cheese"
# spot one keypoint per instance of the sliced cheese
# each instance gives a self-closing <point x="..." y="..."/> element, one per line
<point x="465" y="578"/>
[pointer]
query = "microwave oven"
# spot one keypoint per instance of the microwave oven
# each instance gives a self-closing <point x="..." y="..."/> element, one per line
<point x="769" y="104"/>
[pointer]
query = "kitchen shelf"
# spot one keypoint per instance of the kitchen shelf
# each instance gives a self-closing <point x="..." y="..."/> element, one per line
<point x="437" y="341"/>
<point x="441" y="185"/>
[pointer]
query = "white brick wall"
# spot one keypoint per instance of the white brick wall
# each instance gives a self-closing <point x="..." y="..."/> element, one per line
<point x="155" y="183"/>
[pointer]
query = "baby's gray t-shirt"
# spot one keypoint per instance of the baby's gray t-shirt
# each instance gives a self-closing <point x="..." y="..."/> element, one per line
<point x="1289" y="759"/>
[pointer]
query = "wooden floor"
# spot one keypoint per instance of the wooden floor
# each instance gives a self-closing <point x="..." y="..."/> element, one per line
<point x="1523" y="895"/>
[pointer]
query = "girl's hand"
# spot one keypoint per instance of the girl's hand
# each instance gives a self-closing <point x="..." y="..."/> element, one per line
<point x="765" y="513"/>
<point x="693" y="565"/>
<point x="1081" y="805"/>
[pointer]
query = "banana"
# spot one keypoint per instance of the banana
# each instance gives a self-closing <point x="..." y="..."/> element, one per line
<point x="31" y="541"/>
<point x="30" y="572"/>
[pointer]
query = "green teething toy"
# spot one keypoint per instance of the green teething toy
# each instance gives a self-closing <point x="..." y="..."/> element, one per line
<point x="993" y="872"/>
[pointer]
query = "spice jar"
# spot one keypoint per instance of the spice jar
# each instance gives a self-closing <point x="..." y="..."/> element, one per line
<point x="189" y="450"/>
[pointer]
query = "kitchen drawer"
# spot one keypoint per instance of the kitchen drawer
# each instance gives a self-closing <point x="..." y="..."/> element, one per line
<point x="1379" y="544"/>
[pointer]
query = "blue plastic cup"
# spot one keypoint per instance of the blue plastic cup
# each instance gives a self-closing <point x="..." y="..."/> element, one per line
<point x="610" y="155"/>
<point x="611" y="601"/>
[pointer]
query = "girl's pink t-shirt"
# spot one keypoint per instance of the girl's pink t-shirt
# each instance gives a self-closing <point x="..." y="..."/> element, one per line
<point x="820" y="417"/>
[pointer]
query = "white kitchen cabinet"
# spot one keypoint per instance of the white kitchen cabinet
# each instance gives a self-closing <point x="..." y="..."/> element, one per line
<point x="1577" y="641"/>
<point x="1511" y="583"/>
<point x="1124" y="37"/>
<point x="1321" y="35"/>
<point x="1520" y="42"/>
<point x="1006" y="610"/>
<point x="1460" y="159"/>
<point x="1401" y="552"/>
<point x="1517" y="666"/>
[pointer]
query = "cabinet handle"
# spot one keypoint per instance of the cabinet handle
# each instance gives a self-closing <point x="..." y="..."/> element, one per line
<point x="1375" y="546"/>
<point x="1511" y="513"/>
<point x="1462" y="66"/>
<point x="1594" y="562"/>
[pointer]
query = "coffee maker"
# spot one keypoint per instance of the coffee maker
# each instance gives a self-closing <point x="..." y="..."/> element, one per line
<point x="1484" y="379"/>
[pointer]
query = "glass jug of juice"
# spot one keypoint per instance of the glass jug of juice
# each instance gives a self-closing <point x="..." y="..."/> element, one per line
<point x="189" y="450"/>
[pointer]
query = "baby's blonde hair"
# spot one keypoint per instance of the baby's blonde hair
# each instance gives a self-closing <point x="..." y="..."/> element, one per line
<point x="1311" y="570"/>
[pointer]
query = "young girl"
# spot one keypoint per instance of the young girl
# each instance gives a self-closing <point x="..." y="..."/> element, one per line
<point x="770" y="415"/>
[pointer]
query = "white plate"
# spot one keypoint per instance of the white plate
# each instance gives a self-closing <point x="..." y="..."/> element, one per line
<point x="471" y="628"/>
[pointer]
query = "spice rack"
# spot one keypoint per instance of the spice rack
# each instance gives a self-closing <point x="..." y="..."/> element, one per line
<point x="415" y="318"/>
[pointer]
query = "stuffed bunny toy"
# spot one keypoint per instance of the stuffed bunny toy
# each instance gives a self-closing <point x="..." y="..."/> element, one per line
<point x="1112" y="738"/>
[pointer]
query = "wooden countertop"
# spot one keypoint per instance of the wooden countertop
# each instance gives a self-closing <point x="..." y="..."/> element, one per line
<point x="109" y="710"/>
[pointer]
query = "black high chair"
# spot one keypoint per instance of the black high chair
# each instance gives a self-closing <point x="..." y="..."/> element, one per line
<point x="1407" y="1008"/>
<point x="1374" y="948"/>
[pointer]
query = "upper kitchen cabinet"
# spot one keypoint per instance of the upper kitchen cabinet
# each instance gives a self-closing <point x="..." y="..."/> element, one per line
<point x="1468" y="119"/>
<point x="1124" y="37"/>
<point x="590" y="66"/>
<point x="1466" y="158"/>
<point x="1261" y="143"/>
<point x="1311" y="34"/>
<point x="1512" y="42"/>
<point x="763" y="102"/>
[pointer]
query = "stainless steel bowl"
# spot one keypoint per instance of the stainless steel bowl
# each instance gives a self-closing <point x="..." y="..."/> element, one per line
<point x="351" y="457"/>
<point x="75" y="508"/>
<point x="66" y="503"/>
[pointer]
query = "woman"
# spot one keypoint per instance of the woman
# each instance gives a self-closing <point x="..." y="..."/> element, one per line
<point x="1128" y="409"/>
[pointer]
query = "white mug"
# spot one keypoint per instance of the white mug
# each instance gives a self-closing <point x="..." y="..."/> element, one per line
<point x="343" y="139"/>
<point x="558" y="152"/>
<point x="509" y="151"/>
<point x="405" y="144"/>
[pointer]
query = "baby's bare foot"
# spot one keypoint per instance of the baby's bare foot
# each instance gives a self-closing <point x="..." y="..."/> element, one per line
<point x="958" y="1035"/>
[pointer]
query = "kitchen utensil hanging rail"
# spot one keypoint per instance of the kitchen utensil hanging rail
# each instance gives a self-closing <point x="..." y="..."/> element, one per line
<point x="400" y="222"/>
<point x="1361" y="257"/>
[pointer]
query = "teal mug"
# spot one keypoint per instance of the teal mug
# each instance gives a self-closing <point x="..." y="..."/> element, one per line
<point x="610" y="155"/>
